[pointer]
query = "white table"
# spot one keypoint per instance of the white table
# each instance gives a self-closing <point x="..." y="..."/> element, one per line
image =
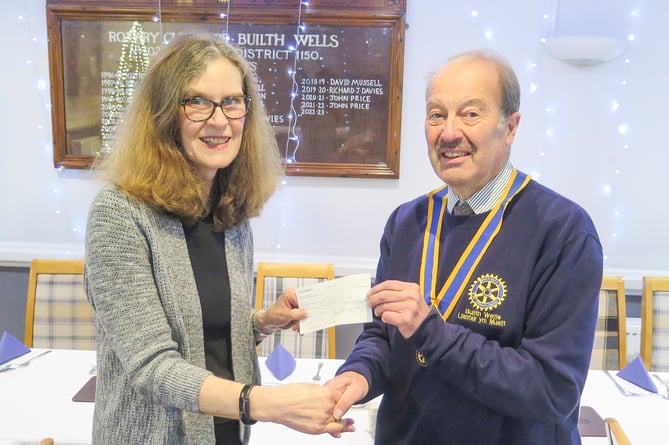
<point x="644" y="419"/>
<point x="268" y="433"/>
<point x="36" y="402"/>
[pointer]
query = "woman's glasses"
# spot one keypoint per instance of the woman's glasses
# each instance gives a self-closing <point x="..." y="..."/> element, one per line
<point x="198" y="109"/>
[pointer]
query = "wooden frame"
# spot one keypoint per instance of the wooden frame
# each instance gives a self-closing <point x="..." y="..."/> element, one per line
<point x="37" y="267"/>
<point x="615" y="432"/>
<point x="345" y="95"/>
<point x="296" y="270"/>
<point x="649" y="286"/>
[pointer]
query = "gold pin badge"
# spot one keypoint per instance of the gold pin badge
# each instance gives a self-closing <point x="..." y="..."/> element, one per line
<point x="420" y="358"/>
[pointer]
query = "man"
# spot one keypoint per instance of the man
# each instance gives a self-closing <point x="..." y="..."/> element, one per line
<point x="484" y="322"/>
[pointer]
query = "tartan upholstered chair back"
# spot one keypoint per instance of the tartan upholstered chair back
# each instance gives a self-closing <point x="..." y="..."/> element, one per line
<point x="655" y="323"/>
<point x="610" y="347"/>
<point x="271" y="280"/>
<point x="58" y="315"/>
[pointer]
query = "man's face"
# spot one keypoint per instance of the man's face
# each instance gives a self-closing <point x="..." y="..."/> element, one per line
<point x="467" y="144"/>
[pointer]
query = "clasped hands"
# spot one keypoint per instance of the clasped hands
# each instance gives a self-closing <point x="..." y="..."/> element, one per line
<point x="397" y="303"/>
<point x="304" y="407"/>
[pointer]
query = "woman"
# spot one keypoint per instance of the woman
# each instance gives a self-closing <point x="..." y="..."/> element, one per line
<point x="169" y="261"/>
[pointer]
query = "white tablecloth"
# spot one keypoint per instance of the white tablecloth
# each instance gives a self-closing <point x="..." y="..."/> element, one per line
<point x="36" y="402"/>
<point x="644" y="419"/>
<point x="271" y="433"/>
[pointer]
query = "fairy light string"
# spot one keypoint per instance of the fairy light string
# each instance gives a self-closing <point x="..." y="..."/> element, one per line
<point x="227" y="19"/>
<point x="133" y="62"/>
<point x="293" y="140"/>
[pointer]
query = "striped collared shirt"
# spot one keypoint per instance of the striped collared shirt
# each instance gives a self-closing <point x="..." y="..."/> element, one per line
<point x="486" y="198"/>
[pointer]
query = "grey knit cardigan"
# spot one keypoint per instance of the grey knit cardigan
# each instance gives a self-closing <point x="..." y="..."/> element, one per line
<point x="148" y="321"/>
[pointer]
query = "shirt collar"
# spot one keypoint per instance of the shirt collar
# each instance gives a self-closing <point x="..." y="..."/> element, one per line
<point x="486" y="198"/>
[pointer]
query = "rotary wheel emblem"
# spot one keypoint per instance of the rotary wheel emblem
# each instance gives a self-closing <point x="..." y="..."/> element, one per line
<point x="420" y="358"/>
<point x="487" y="292"/>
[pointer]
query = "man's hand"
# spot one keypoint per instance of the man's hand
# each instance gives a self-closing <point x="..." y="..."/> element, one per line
<point x="352" y="387"/>
<point x="400" y="304"/>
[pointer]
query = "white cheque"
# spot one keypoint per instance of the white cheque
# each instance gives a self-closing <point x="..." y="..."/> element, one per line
<point x="335" y="302"/>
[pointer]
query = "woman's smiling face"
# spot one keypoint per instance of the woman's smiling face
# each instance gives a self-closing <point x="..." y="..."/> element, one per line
<point x="213" y="143"/>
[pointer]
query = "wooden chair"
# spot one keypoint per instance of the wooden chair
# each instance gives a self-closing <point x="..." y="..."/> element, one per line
<point x="58" y="315"/>
<point x="615" y="432"/>
<point x="655" y="323"/>
<point x="610" y="346"/>
<point x="271" y="280"/>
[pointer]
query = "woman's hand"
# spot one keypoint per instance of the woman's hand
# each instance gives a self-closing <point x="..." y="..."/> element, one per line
<point x="283" y="314"/>
<point x="304" y="407"/>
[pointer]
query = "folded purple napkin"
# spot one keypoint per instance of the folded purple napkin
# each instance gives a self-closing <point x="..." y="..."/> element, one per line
<point x="280" y="362"/>
<point x="636" y="372"/>
<point x="11" y="347"/>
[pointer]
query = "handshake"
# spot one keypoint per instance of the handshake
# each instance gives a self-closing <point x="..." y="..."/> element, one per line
<point x="310" y="408"/>
<point x="306" y="407"/>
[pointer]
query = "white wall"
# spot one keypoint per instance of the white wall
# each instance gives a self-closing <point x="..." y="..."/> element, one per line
<point x="570" y="139"/>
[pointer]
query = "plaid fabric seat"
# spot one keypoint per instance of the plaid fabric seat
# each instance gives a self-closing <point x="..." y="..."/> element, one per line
<point x="270" y="284"/>
<point x="610" y="348"/>
<point x="58" y="314"/>
<point x="655" y="323"/>
<point x="660" y="346"/>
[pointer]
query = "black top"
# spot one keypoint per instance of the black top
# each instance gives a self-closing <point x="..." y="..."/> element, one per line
<point x="206" y="249"/>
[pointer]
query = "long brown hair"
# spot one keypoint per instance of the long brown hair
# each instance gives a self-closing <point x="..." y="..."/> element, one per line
<point x="148" y="163"/>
